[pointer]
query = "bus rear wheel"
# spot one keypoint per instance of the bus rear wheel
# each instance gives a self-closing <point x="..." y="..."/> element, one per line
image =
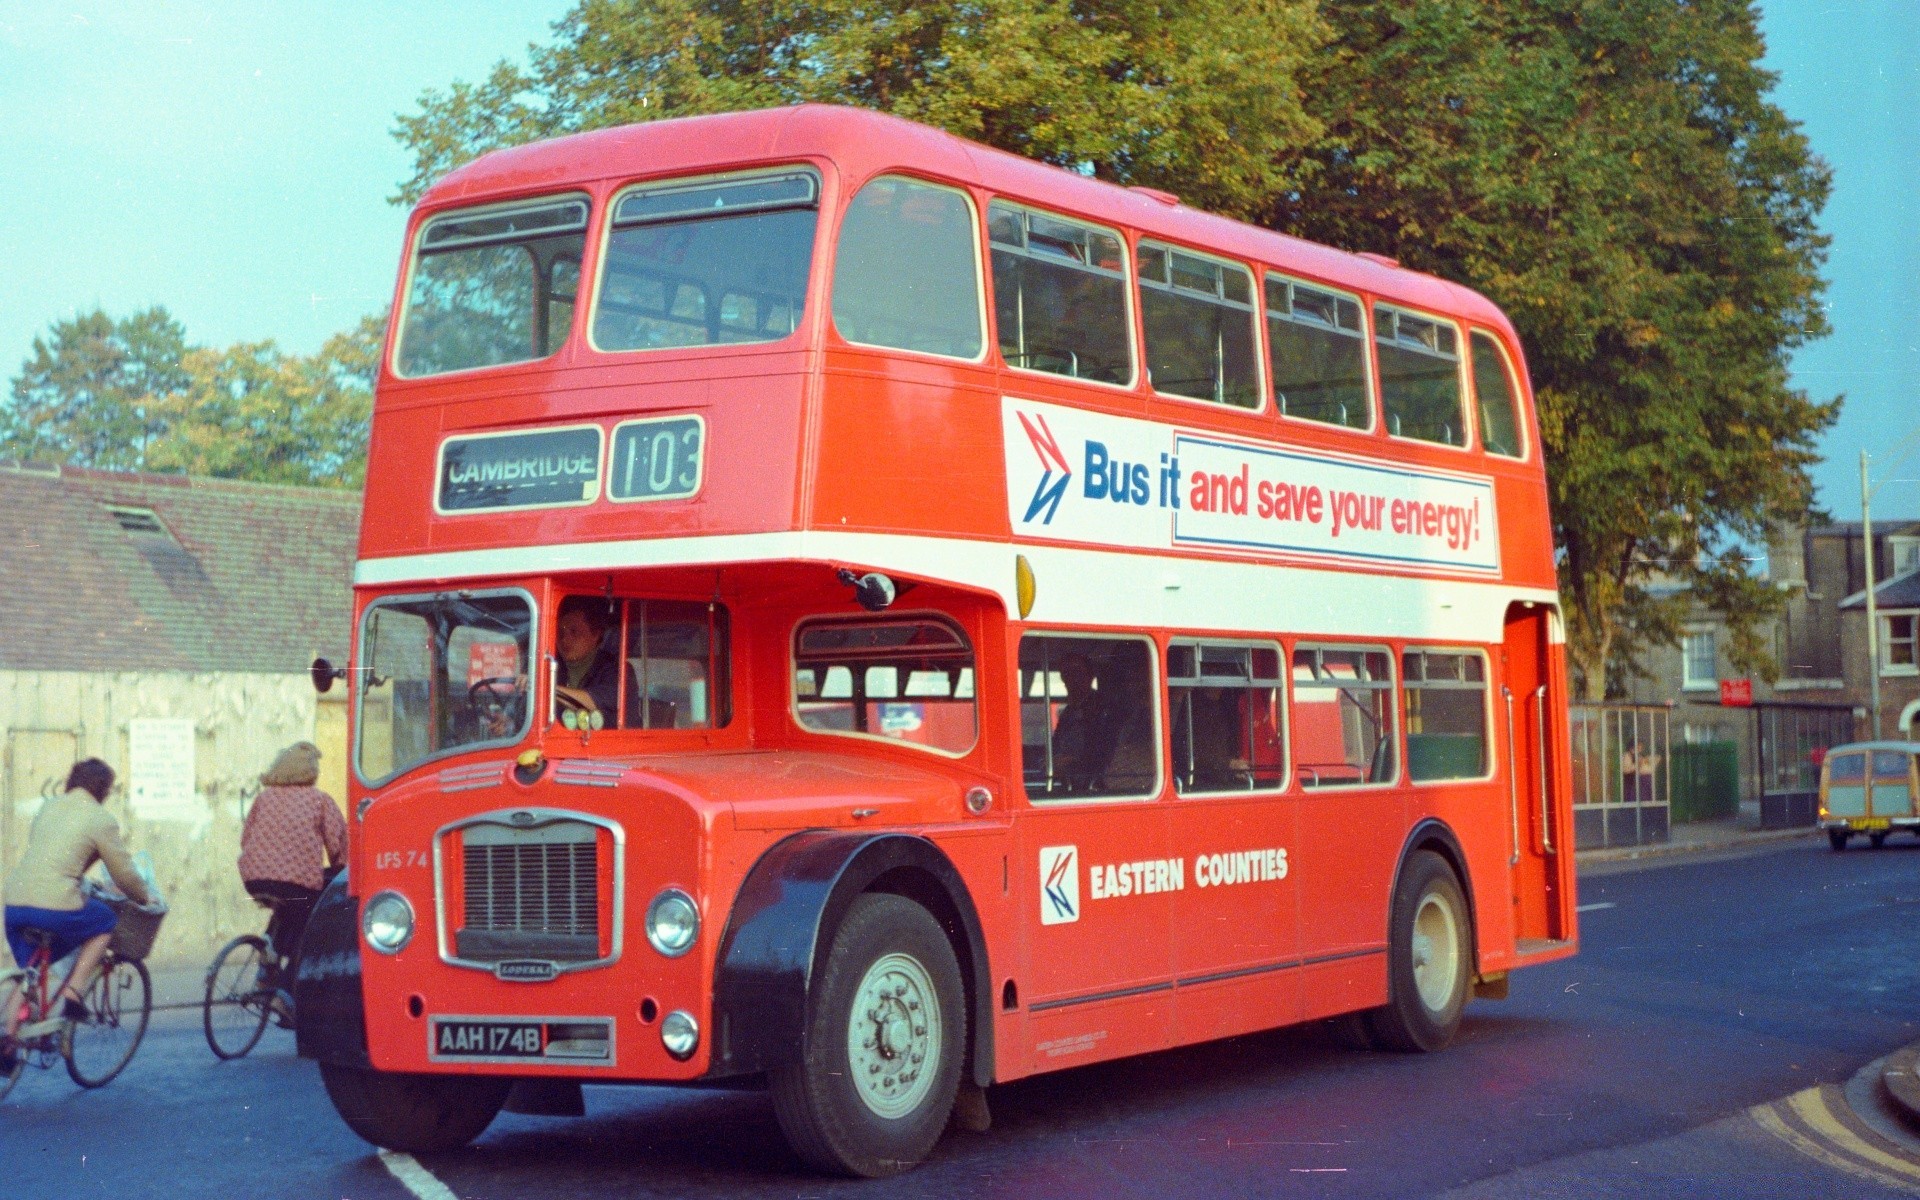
<point x="1430" y="960"/>
<point x="880" y="1057"/>
<point x="416" y="1114"/>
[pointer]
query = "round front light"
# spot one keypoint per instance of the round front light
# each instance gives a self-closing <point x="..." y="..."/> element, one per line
<point x="672" y="922"/>
<point x="387" y="922"/>
<point x="680" y="1034"/>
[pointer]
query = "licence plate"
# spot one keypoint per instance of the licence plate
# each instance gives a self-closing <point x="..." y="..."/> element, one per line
<point x="1871" y="823"/>
<point x="587" y="1041"/>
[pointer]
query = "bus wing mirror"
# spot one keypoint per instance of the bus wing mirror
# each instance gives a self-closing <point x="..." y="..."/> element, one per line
<point x="324" y="673"/>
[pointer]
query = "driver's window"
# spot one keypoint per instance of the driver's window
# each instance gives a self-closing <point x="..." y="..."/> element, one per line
<point x="673" y="673"/>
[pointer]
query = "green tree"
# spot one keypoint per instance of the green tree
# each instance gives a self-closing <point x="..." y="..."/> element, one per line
<point x="133" y="394"/>
<point x="251" y="412"/>
<point x="1196" y="97"/>
<point x="1613" y="175"/>
<point x="92" y="391"/>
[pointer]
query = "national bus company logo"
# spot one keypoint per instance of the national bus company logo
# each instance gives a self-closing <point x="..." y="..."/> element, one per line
<point x="1119" y="481"/>
<point x="1059" y="884"/>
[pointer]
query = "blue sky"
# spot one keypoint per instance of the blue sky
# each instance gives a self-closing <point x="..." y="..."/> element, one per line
<point x="232" y="161"/>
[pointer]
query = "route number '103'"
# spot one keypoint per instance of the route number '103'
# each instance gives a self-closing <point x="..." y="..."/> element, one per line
<point x="657" y="458"/>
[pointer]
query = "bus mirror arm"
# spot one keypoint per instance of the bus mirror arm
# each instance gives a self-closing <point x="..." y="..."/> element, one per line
<point x="874" y="591"/>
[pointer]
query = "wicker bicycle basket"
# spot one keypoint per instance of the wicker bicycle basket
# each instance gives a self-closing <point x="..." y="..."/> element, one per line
<point x="133" y="936"/>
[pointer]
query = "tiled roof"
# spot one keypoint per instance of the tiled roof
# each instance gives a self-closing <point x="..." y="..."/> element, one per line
<point x="240" y="576"/>
<point x="1902" y="591"/>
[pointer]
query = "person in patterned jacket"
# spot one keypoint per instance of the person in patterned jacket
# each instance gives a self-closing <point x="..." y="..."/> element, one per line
<point x="293" y="831"/>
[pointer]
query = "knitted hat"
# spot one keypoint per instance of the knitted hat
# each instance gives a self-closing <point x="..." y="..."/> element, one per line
<point x="297" y="765"/>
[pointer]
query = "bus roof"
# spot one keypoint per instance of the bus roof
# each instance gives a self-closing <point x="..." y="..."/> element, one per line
<point x="863" y="143"/>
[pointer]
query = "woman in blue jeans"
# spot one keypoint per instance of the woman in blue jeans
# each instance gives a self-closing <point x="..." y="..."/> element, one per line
<point x="71" y="832"/>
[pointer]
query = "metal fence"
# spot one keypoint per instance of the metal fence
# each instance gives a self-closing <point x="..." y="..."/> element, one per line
<point x="1622" y="774"/>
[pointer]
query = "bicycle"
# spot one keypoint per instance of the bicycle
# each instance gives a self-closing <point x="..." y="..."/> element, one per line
<point x="243" y="985"/>
<point x="98" y="1046"/>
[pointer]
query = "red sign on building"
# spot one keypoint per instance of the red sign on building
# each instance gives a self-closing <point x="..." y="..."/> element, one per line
<point x="1736" y="693"/>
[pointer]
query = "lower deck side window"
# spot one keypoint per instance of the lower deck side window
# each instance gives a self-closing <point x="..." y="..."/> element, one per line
<point x="1087" y="717"/>
<point x="1446" y="712"/>
<point x="909" y="681"/>
<point x="1343" y="716"/>
<point x="1224" y="704"/>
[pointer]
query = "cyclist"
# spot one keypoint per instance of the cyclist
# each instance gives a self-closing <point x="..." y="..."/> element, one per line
<point x="292" y="831"/>
<point x="70" y="833"/>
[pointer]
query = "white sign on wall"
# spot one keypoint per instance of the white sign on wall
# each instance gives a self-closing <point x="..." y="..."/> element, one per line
<point x="160" y="783"/>
<point x="1119" y="481"/>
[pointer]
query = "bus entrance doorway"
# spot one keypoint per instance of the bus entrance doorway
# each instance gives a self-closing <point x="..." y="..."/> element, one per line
<point x="1537" y="839"/>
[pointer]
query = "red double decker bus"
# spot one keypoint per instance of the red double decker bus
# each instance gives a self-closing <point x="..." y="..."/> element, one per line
<point x="842" y="605"/>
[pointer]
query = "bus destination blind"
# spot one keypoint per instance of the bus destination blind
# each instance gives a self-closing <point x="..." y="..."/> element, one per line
<point x="544" y="468"/>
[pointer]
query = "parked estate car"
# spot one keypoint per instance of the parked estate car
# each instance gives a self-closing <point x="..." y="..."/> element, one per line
<point x="1871" y="788"/>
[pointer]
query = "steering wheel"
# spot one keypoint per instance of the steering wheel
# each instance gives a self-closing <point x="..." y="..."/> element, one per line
<point x="498" y="703"/>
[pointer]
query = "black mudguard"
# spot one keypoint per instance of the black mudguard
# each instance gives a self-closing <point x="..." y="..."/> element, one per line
<point x="784" y="919"/>
<point x="330" y="1015"/>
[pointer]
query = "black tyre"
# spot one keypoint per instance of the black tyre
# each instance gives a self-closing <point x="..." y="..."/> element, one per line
<point x="880" y="1058"/>
<point x="12" y="992"/>
<point x="118" y="1004"/>
<point x="1837" y="838"/>
<point x="1430" y="959"/>
<point x="417" y="1114"/>
<point x="1876" y="840"/>
<point x="234" y="1013"/>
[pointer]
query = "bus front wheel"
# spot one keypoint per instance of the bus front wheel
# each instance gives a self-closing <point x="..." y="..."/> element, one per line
<point x="414" y="1113"/>
<point x="1430" y="959"/>
<point x="880" y="1058"/>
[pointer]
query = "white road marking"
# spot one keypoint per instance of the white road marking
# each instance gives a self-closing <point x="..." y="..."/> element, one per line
<point x="416" y="1178"/>
<point x="1595" y="907"/>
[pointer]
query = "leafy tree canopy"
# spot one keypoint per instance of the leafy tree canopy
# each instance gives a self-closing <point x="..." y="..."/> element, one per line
<point x="132" y="394"/>
<point x="1198" y="97"/>
<point x="1611" y="172"/>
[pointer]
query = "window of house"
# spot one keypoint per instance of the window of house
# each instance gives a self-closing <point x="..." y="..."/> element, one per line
<point x="1446" y="714"/>
<point x="1318" y="353"/>
<point x="1060" y="295"/>
<point x="1087" y="721"/>
<point x="1342" y="716"/>
<point x="1199" y="320"/>
<point x="1229" y="728"/>
<point x="1697" y="665"/>
<point x="1420" y="389"/>
<point x="907" y="270"/>
<point x="1899" y="651"/>
<point x="1498" y="398"/>
<point x="907" y="681"/>
<point x="1905" y="553"/>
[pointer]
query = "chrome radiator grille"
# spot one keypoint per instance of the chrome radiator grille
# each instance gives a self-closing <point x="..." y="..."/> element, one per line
<point x="530" y="892"/>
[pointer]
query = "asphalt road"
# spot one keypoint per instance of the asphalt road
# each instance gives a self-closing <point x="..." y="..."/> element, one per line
<point x="1673" y="1057"/>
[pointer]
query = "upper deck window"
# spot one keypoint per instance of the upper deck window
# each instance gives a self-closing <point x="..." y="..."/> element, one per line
<point x="492" y="286"/>
<point x="1498" y="399"/>
<point x="1318" y="351"/>
<point x="1200" y="327"/>
<point x="907" y="270"/>
<point x="1060" y="295"/>
<point x="1419" y="376"/>
<point x="707" y="262"/>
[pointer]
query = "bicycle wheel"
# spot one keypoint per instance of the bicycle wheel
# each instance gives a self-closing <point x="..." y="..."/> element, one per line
<point x="118" y="1005"/>
<point x="14" y="993"/>
<point x="235" y="1011"/>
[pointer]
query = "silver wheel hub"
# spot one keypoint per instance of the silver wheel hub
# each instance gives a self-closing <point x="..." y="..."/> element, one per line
<point x="894" y="1035"/>
<point x="1436" y="952"/>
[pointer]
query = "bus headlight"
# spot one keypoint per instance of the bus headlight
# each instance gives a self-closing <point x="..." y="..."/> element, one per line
<point x="680" y="1034"/>
<point x="673" y="922"/>
<point x="387" y="922"/>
